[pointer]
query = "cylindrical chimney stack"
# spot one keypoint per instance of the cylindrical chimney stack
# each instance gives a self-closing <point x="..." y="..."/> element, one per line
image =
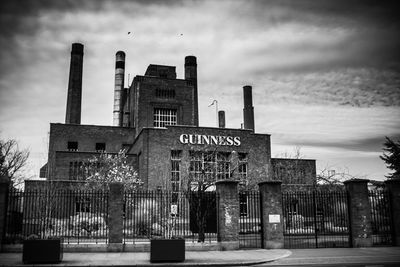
<point x="74" y="98"/>
<point x="118" y="88"/>
<point x="191" y="75"/>
<point x="248" y="110"/>
<point x="221" y="119"/>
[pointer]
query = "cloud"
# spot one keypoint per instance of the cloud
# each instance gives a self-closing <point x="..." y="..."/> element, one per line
<point x="324" y="73"/>
<point x="340" y="127"/>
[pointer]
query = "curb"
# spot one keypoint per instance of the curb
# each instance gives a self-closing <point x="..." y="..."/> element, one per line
<point x="188" y="262"/>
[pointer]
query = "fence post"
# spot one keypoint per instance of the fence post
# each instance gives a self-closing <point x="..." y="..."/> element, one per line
<point x="359" y="213"/>
<point x="115" y="217"/>
<point x="393" y="187"/>
<point x="4" y="187"/>
<point x="228" y="214"/>
<point x="271" y="214"/>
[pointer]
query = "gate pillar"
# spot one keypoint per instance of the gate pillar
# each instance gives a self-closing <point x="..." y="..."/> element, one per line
<point x="359" y="213"/>
<point x="115" y="217"/>
<point x="393" y="187"/>
<point x="228" y="214"/>
<point x="4" y="187"/>
<point x="271" y="214"/>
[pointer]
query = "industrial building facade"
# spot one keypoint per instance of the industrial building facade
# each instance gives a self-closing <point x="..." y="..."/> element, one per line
<point x="156" y="122"/>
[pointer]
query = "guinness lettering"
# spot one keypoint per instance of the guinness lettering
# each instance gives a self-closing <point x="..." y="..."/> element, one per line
<point x="200" y="139"/>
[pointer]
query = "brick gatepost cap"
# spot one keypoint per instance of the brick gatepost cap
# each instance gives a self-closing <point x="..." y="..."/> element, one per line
<point x="392" y="181"/>
<point x="356" y="181"/>
<point x="226" y="182"/>
<point x="270" y="183"/>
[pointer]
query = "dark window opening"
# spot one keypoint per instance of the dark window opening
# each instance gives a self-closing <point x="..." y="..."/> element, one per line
<point x="176" y="156"/>
<point x="72" y="146"/>
<point x="243" y="204"/>
<point x="125" y="147"/>
<point x="165" y="93"/>
<point x="100" y="147"/>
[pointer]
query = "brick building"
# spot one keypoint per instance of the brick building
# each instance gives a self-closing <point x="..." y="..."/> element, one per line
<point x="156" y="122"/>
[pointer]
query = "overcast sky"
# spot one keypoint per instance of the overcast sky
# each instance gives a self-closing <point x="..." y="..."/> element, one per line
<point x="325" y="74"/>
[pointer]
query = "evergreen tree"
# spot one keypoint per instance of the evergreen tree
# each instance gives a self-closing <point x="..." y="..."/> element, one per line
<point x="391" y="156"/>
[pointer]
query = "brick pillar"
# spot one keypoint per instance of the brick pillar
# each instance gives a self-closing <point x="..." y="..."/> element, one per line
<point x="115" y="217"/>
<point x="228" y="214"/>
<point x="271" y="214"/>
<point x="4" y="185"/>
<point x="359" y="213"/>
<point x="393" y="187"/>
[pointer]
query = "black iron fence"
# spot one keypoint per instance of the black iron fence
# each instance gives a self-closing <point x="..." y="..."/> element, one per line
<point x="163" y="214"/>
<point x="381" y="221"/>
<point x="250" y="235"/>
<point x="315" y="219"/>
<point x="75" y="215"/>
<point x="311" y="219"/>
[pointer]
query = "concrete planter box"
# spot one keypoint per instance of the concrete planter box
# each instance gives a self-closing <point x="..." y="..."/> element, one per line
<point x="42" y="251"/>
<point x="167" y="250"/>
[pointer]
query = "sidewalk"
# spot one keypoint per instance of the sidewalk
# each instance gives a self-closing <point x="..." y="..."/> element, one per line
<point x="274" y="257"/>
<point x="193" y="258"/>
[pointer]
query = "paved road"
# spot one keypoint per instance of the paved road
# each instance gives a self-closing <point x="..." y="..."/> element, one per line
<point x="371" y="257"/>
<point x="344" y="265"/>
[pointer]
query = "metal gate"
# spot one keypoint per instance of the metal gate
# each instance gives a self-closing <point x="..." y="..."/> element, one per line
<point x="250" y="234"/>
<point x="315" y="219"/>
<point x="380" y="215"/>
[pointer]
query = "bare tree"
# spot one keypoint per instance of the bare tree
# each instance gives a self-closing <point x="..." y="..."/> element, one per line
<point x="12" y="160"/>
<point x="206" y="167"/>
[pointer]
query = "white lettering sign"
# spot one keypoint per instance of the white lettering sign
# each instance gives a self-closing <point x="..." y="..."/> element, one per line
<point x="274" y="218"/>
<point x="174" y="209"/>
<point x="201" y="139"/>
<point x="228" y="217"/>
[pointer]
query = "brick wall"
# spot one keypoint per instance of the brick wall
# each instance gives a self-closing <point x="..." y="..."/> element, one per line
<point x="144" y="100"/>
<point x="155" y="146"/>
<point x="294" y="171"/>
<point x="87" y="136"/>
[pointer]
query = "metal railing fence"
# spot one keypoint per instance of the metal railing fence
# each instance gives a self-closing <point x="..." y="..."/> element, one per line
<point x="250" y="234"/>
<point x="380" y="215"/>
<point x="77" y="216"/>
<point x="315" y="219"/>
<point x="165" y="214"/>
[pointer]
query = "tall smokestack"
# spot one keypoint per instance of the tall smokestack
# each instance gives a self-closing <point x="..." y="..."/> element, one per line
<point x="248" y="110"/>
<point x="118" y="88"/>
<point x="221" y="119"/>
<point x="74" y="98"/>
<point x="191" y="75"/>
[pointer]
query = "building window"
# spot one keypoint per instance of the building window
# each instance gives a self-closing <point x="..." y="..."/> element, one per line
<point x="176" y="156"/>
<point x="125" y="147"/>
<point x="223" y="166"/>
<point x="100" y="147"/>
<point x="242" y="168"/>
<point x="75" y="170"/>
<point x="163" y="117"/>
<point x="165" y="93"/>
<point x="243" y="201"/>
<point x="72" y="146"/>
<point x="209" y="165"/>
